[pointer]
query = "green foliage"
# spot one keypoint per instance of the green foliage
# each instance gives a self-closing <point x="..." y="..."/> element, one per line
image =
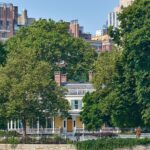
<point x="13" y="141"/>
<point x="115" y="34"/>
<point x="91" y="114"/>
<point x="26" y="89"/>
<point x="3" y="53"/>
<point x="132" y="82"/>
<point x="3" y="122"/>
<point x="98" y="105"/>
<point x="8" y="133"/>
<point x="110" y="144"/>
<point x="53" y="44"/>
<point x="124" y="75"/>
<point x="105" y="68"/>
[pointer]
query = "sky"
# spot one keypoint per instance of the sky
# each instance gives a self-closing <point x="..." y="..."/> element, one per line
<point x="91" y="14"/>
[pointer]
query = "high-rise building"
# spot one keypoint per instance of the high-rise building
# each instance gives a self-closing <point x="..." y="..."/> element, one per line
<point x="23" y="19"/>
<point x="74" y="28"/>
<point x="113" y="19"/>
<point x="8" y="20"/>
<point x="106" y="42"/>
<point x="11" y="21"/>
<point x="102" y="31"/>
<point x="113" y="16"/>
<point x="78" y="31"/>
<point x="126" y="3"/>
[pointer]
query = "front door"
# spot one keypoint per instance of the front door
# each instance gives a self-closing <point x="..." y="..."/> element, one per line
<point x="69" y="125"/>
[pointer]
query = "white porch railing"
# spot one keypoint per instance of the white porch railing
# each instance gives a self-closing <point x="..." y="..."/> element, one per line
<point x="106" y="130"/>
<point x="32" y="131"/>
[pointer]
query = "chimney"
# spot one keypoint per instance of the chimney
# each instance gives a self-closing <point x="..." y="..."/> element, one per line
<point x="90" y="76"/>
<point x="60" y="78"/>
<point x="63" y="78"/>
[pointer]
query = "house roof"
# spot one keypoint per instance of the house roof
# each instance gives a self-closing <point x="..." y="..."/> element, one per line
<point x="78" y="88"/>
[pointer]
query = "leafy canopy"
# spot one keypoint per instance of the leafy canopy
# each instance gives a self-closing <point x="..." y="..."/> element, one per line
<point x="125" y="80"/>
<point x="98" y="105"/>
<point x="26" y="89"/>
<point x="53" y="44"/>
<point x="3" y="53"/>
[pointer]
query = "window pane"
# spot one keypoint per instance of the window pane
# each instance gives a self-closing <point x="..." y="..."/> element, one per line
<point x="64" y="124"/>
<point x="76" y="103"/>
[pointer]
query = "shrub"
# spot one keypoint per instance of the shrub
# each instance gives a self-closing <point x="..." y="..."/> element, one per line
<point x="8" y="133"/>
<point x="13" y="141"/>
<point x="110" y="144"/>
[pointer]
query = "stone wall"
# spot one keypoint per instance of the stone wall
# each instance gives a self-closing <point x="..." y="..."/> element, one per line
<point x="38" y="147"/>
<point x="137" y="148"/>
<point x="56" y="147"/>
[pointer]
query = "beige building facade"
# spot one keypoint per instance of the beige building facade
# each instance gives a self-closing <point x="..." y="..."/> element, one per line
<point x="56" y="125"/>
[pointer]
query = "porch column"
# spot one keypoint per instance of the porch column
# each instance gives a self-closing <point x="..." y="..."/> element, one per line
<point x="8" y="125"/>
<point x="11" y="124"/>
<point x="15" y="124"/>
<point x="38" y="126"/>
<point x="46" y="124"/>
<point x="65" y="128"/>
<point x="74" y="124"/>
<point x="18" y="124"/>
<point x="32" y="124"/>
<point x="21" y="125"/>
<point x="83" y="130"/>
<point x="66" y="125"/>
<point x="83" y="127"/>
<point x="53" y="125"/>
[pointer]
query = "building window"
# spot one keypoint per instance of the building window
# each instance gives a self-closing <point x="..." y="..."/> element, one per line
<point x="74" y="123"/>
<point x="76" y="104"/>
<point x="7" y="25"/>
<point x="1" y="24"/>
<point x="4" y="35"/>
<point x="64" y="124"/>
<point x="1" y="12"/>
<point x="8" y="12"/>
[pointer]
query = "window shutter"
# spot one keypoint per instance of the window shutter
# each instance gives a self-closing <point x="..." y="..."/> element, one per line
<point x="80" y="104"/>
<point x="72" y="104"/>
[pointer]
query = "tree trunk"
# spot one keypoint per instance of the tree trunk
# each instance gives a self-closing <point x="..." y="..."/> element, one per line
<point x="24" y="123"/>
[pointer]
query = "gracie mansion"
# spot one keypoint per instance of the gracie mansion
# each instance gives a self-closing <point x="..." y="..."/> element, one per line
<point x="56" y="125"/>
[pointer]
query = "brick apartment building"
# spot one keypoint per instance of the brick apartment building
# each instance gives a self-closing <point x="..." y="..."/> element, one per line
<point x="77" y="31"/>
<point x="8" y="20"/>
<point x="11" y="21"/>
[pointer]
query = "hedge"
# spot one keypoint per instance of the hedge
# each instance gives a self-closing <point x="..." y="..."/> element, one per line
<point x="110" y="143"/>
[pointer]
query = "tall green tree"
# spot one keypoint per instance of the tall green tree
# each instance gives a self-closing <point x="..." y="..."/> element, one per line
<point x="105" y="68"/>
<point x="3" y="54"/>
<point x="132" y="84"/>
<point x="125" y="80"/>
<point x="53" y="44"/>
<point x="95" y="112"/>
<point x="99" y="104"/>
<point x="27" y="90"/>
<point x="91" y="114"/>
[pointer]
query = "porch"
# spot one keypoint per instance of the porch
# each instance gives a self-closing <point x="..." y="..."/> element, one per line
<point x="55" y="125"/>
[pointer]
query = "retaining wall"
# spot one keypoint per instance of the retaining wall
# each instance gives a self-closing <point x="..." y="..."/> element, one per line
<point x="38" y="147"/>
<point x="56" y="147"/>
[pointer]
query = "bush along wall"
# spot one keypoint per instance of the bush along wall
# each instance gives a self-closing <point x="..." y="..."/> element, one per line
<point x="110" y="143"/>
